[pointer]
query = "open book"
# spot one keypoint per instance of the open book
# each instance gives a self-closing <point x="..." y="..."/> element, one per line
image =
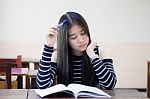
<point x="76" y="90"/>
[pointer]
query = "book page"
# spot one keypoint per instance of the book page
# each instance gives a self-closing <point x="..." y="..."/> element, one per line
<point x="51" y="90"/>
<point x="86" y="90"/>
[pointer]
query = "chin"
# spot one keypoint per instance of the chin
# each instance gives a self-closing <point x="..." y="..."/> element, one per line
<point x="83" y="49"/>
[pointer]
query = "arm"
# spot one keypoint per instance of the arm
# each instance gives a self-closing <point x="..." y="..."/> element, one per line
<point x="103" y="68"/>
<point x="47" y="69"/>
<point x="47" y="66"/>
<point x="105" y="72"/>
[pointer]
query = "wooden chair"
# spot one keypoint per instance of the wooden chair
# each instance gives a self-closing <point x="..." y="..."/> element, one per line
<point x="5" y="69"/>
<point x="33" y="66"/>
<point x="16" y="62"/>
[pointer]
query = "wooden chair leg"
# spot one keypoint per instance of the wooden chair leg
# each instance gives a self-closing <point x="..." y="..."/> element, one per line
<point x="27" y="82"/>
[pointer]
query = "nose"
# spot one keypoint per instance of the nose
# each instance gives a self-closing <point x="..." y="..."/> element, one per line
<point x="80" y="39"/>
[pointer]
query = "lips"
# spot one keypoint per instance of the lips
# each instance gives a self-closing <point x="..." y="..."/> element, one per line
<point x="82" y="45"/>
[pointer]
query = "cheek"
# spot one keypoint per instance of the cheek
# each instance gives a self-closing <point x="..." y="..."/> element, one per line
<point x="72" y="43"/>
<point x="87" y="39"/>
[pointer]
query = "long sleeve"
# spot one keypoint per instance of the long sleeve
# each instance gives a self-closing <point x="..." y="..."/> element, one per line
<point x="47" y="69"/>
<point x="105" y="72"/>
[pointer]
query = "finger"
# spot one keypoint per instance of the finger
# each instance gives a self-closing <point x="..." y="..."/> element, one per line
<point x="52" y="32"/>
<point x="95" y="43"/>
<point x="92" y="44"/>
<point x="55" y="28"/>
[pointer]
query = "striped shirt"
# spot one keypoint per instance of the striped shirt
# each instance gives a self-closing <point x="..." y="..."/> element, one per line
<point x="47" y="70"/>
<point x="77" y="69"/>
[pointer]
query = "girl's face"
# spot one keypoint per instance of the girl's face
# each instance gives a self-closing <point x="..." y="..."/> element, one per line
<point x="78" y="39"/>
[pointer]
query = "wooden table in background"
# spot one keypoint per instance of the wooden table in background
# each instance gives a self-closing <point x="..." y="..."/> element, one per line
<point x="31" y="75"/>
<point x="20" y="72"/>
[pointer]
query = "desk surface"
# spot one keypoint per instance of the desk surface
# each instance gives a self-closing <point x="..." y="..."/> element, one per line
<point x="30" y="94"/>
<point x="13" y="93"/>
<point x="116" y="94"/>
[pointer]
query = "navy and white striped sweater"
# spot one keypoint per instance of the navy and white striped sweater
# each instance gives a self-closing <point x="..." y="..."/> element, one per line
<point x="47" y="71"/>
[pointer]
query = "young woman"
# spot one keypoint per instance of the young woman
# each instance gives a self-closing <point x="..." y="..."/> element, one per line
<point x="76" y="58"/>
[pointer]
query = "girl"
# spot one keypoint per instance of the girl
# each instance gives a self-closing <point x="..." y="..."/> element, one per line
<point x="76" y="59"/>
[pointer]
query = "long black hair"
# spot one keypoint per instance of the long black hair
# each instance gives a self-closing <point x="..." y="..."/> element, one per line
<point x="64" y="51"/>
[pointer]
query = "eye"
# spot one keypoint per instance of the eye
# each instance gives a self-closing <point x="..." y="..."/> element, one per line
<point x="73" y="37"/>
<point x="82" y="32"/>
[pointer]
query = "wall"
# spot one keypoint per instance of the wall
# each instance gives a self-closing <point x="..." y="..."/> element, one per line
<point x="121" y="27"/>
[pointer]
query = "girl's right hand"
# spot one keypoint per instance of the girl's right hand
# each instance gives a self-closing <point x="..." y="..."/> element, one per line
<point x="51" y="36"/>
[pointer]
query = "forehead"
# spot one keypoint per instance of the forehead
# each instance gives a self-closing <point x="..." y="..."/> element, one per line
<point x="75" y="29"/>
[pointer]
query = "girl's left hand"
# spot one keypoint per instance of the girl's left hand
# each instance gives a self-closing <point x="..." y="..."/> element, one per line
<point x="90" y="49"/>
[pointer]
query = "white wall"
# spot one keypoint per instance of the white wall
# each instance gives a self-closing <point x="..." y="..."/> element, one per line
<point x="121" y="27"/>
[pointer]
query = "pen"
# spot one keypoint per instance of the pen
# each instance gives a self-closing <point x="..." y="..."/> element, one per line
<point x="62" y="23"/>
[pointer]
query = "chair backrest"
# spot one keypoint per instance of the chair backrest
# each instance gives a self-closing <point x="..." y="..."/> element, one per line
<point x="16" y="61"/>
<point x="5" y="69"/>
